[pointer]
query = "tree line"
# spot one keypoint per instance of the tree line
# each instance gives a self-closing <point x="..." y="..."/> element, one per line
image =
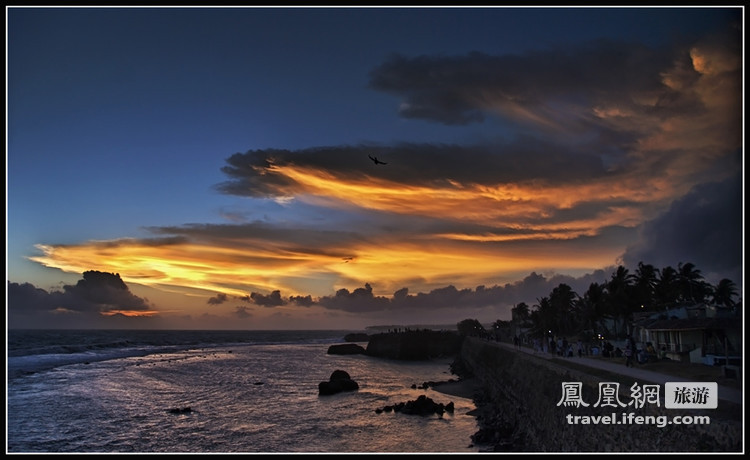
<point x="649" y="289"/>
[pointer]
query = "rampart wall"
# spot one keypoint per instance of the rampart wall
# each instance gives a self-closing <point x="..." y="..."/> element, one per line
<point x="522" y="393"/>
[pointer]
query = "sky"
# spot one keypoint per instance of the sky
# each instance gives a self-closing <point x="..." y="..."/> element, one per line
<point x="212" y="168"/>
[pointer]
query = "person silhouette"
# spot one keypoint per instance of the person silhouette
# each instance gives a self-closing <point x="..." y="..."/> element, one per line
<point x="628" y="352"/>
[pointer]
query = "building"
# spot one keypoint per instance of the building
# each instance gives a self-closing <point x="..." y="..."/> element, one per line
<point x="695" y="333"/>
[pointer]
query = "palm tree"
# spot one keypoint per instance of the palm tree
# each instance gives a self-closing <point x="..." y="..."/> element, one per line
<point x="666" y="291"/>
<point x="543" y="318"/>
<point x="562" y="300"/>
<point x="520" y="314"/>
<point x="590" y="308"/>
<point x="690" y="280"/>
<point x="723" y="292"/>
<point x="620" y="297"/>
<point x="645" y="285"/>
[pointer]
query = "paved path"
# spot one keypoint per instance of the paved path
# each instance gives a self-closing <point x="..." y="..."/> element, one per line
<point x="618" y="367"/>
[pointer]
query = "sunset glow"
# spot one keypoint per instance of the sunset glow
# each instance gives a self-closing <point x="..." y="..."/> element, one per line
<point x="240" y="169"/>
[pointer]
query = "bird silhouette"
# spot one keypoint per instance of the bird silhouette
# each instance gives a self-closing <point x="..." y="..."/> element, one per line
<point x="376" y="161"/>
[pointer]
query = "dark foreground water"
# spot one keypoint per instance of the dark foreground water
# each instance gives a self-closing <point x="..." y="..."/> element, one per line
<point x="248" y="391"/>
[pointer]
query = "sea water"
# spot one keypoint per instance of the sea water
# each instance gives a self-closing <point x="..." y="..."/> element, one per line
<point x="218" y="392"/>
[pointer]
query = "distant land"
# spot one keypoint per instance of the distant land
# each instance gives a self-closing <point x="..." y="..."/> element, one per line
<point x="433" y="327"/>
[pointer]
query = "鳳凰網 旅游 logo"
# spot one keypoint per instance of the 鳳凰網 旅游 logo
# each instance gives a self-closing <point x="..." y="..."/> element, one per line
<point x="677" y="395"/>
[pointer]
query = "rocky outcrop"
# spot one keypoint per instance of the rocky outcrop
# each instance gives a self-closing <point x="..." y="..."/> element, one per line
<point x="421" y="406"/>
<point x="346" y="349"/>
<point x="414" y="345"/>
<point x="338" y="382"/>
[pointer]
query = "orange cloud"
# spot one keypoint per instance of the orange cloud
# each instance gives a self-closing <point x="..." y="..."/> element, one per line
<point x="509" y="205"/>
<point x="130" y="313"/>
<point x="265" y="266"/>
<point x="237" y="263"/>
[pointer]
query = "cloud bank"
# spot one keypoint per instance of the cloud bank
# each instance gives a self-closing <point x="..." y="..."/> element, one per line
<point x="95" y="297"/>
<point x="619" y="153"/>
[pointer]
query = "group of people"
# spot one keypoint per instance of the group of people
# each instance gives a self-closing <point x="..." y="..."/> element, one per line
<point x="642" y="355"/>
<point x="560" y="346"/>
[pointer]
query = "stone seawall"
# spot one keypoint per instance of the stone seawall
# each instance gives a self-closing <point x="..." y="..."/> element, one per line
<point x="414" y="345"/>
<point x="521" y="393"/>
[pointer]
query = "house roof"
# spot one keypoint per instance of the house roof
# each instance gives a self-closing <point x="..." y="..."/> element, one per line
<point x="686" y="324"/>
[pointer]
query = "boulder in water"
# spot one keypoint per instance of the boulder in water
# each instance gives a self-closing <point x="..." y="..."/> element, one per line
<point x="421" y="406"/>
<point x="338" y="382"/>
<point x="181" y="410"/>
<point x="346" y="349"/>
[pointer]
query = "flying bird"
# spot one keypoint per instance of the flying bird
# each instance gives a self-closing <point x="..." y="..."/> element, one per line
<point x="376" y="161"/>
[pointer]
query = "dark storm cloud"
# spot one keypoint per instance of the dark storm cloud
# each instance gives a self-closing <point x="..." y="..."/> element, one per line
<point x="360" y="300"/>
<point x="218" y="299"/>
<point x="705" y="225"/>
<point x="414" y="165"/>
<point x="528" y="290"/>
<point x="252" y="171"/>
<point x="302" y="301"/>
<point x="272" y="300"/>
<point x="97" y="292"/>
<point x="27" y="298"/>
<point x="462" y="89"/>
<point x="603" y="111"/>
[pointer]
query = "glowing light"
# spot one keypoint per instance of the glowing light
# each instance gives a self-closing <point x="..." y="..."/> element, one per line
<point x="130" y="313"/>
<point x="506" y="204"/>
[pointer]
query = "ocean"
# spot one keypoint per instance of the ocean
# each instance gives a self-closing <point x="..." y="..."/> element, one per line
<point x="91" y="391"/>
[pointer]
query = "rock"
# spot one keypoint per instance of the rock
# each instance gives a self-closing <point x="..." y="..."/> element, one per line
<point x="421" y="406"/>
<point x="183" y="410"/>
<point x="339" y="375"/>
<point x="338" y="382"/>
<point x="346" y="349"/>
